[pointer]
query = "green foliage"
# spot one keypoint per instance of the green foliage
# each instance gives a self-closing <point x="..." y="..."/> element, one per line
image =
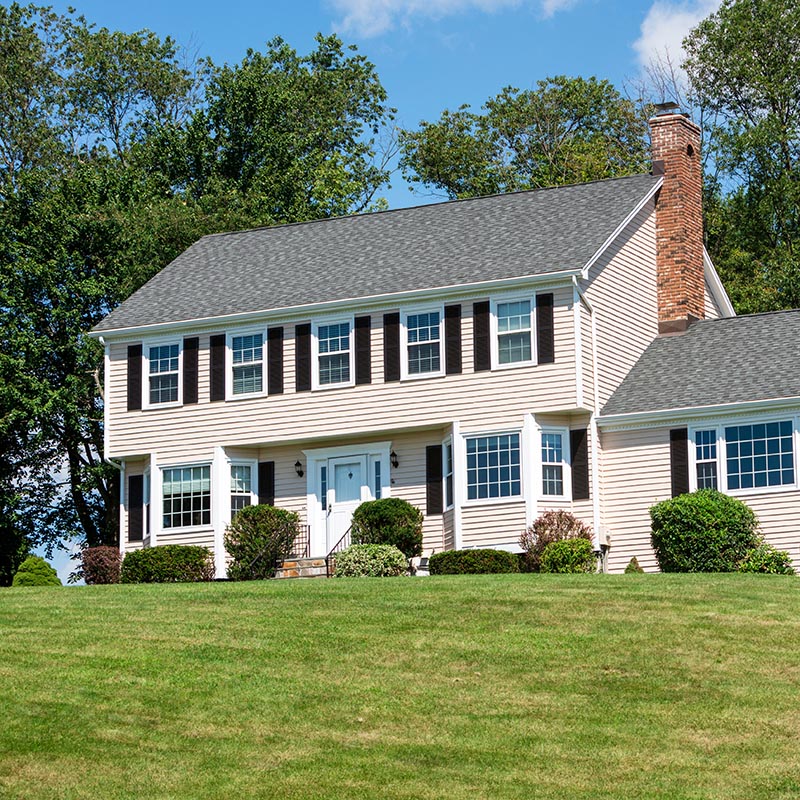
<point x="35" y="571"/>
<point x="569" y="556"/>
<point x="472" y="562"/>
<point x="767" y="559"/>
<point x="633" y="567"/>
<point x="567" y="130"/>
<point x="100" y="564"/>
<point x="168" y="563"/>
<point x="258" y="538"/>
<point x="370" y="561"/>
<point x="389" y="521"/>
<point x="551" y="526"/>
<point x="705" y="531"/>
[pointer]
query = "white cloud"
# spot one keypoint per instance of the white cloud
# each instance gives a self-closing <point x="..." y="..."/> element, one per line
<point x="665" y="27"/>
<point x="374" y="17"/>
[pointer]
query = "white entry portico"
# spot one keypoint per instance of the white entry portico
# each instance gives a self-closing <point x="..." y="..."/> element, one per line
<point x="338" y="480"/>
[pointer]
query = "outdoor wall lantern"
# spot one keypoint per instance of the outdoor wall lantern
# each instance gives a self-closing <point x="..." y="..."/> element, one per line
<point x="393" y="459"/>
<point x="298" y="468"/>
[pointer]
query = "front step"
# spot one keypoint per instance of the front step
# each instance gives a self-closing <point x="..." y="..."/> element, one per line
<point x="302" y="568"/>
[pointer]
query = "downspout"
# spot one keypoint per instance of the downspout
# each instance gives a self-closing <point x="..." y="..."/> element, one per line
<point x="601" y="547"/>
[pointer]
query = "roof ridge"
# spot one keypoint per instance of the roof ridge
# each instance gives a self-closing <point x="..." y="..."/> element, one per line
<point x="745" y="316"/>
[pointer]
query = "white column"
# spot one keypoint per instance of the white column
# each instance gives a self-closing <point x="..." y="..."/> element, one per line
<point x="156" y="500"/>
<point x="531" y="467"/>
<point x="220" y="507"/>
<point x="123" y="495"/>
<point x="459" y="481"/>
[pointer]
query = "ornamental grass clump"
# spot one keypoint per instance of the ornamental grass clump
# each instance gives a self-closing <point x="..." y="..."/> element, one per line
<point x="552" y="526"/>
<point x="168" y="563"/>
<point x="370" y="561"/>
<point x="569" y="556"/>
<point x="258" y="539"/>
<point x="35" y="571"/>
<point x="389" y="521"/>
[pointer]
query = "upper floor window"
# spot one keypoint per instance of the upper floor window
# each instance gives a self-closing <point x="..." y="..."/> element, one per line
<point x="247" y="356"/>
<point x="164" y="361"/>
<point x="186" y="496"/>
<point x="333" y="353"/>
<point x="493" y="466"/>
<point x="241" y="487"/>
<point x="553" y="463"/>
<point x="423" y="343"/>
<point x="514" y="331"/>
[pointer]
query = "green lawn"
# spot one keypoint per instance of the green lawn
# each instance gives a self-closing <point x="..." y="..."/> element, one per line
<point x="519" y="686"/>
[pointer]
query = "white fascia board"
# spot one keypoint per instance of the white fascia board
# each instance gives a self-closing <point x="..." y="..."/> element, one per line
<point x="333" y="306"/>
<point x="667" y="415"/>
<point x="715" y="285"/>
<point x="621" y="227"/>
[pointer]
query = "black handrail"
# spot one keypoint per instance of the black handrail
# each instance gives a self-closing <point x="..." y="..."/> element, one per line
<point x="300" y="547"/>
<point x="330" y="560"/>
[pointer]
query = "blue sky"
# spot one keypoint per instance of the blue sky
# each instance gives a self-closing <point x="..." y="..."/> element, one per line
<point x="429" y="54"/>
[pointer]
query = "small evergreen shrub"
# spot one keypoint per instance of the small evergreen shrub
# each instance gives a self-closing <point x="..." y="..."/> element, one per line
<point x="370" y="561"/>
<point x="101" y="565"/>
<point x="704" y="531"/>
<point x="35" y="571"/>
<point x="258" y="539"/>
<point x="633" y="566"/>
<point x="472" y="562"/>
<point x="552" y="526"/>
<point x="767" y="559"/>
<point x="568" y="556"/>
<point x="168" y="563"/>
<point x="389" y="521"/>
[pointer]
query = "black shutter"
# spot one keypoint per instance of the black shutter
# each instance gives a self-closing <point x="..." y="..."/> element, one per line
<point x="275" y="361"/>
<point x="433" y="478"/>
<point x="363" y="353"/>
<point x="134" y="377"/>
<point x="135" y="507"/>
<point x="190" y="351"/>
<point x="266" y="483"/>
<point x="217" y="351"/>
<point x="481" y="336"/>
<point x="679" y="460"/>
<point x="302" y="357"/>
<point x="545" y="333"/>
<point x="391" y="346"/>
<point x="452" y="340"/>
<point x="579" y="459"/>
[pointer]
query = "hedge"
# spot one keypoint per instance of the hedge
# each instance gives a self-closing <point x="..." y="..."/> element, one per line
<point x="472" y="562"/>
<point x="168" y="563"/>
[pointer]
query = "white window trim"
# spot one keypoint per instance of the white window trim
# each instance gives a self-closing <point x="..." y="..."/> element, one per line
<point x="229" y="395"/>
<point x="463" y="478"/>
<point x="511" y="298"/>
<point x="242" y="462"/>
<point x="146" y="345"/>
<point x="404" y="343"/>
<point x="722" y="470"/>
<point x="162" y="531"/>
<point x="448" y="442"/>
<point x="566" y="465"/>
<point x="315" y="325"/>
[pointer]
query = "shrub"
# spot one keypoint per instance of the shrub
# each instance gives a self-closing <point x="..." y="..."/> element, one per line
<point x="569" y="556"/>
<point x="552" y="526"/>
<point x="168" y="563"/>
<point x="258" y="539"/>
<point x="389" y="521"/>
<point x="101" y="565"/>
<point x="35" y="571"/>
<point x="705" y="531"/>
<point x="767" y="559"/>
<point x="370" y="561"/>
<point x="472" y="562"/>
<point x="633" y="566"/>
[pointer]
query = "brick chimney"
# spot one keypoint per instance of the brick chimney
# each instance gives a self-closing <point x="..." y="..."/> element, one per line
<point x="679" y="220"/>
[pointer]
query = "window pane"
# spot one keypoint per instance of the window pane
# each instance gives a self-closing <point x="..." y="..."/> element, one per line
<point x="377" y="487"/>
<point x="240" y="478"/>
<point x="514" y="316"/>
<point x="247" y="349"/>
<point x="247" y="380"/>
<point x="334" y="369"/>
<point x="514" y="347"/>
<point x="484" y="477"/>
<point x="163" y="389"/>
<point x="552" y="479"/>
<point x="423" y="358"/>
<point x="186" y="496"/>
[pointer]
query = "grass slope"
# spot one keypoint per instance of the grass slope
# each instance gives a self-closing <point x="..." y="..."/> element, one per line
<point x="512" y="686"/>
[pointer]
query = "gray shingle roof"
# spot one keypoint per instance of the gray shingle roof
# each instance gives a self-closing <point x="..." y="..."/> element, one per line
<point x="731" y="360"/>
<point x="447" y="244"/>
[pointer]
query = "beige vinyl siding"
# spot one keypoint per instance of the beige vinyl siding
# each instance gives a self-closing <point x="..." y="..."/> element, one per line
<point x="478" y="400"/>
<point x="448" y="531"/>
<point x="636" y="474"/>
<point x="201" y="536"/>
<point x="779" y="517"/>
<point x="712" y="310"/>
<point x="587" y="370"/>
<point x="492" y="524"/>
<point x="622" y="290"/>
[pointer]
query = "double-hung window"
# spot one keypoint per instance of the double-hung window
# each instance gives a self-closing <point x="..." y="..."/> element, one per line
<point x="493" y="467"/>
<point x="447" y="473"/>
<point x="241" y="487"/>
<point x="247" y="358"/>
<point x="163" y="360"/>
<point x="553" y="463"/>
<point x="705" y="444"/>
<point x="186" y="495"/>
<point x="334" y="353"/>
<point x="514" y="331"/>
<point x="423" y="343"/>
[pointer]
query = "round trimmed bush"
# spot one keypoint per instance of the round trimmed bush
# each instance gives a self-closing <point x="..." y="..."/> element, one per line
<point x="473" y="562"/>
<point x="370" y="561"/>
<point x="258" y="539"/>
<point x="569" y="556"/>
<point x="552" y="526"/>
<point x="704" y="531"/>
<point x="168" y="563"/>
<point x="35" y="571"/>
<point x="101" y="564"/>
<point x="389" y="521"/>
<point x="768" y="560"/>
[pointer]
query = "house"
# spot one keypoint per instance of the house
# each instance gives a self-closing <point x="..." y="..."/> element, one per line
<point x="485" y="359"/>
